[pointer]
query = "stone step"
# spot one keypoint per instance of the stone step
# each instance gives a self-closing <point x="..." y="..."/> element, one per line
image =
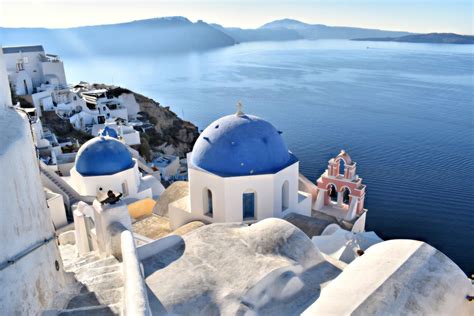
<point x="92" y="310"/>
<point x="108" y="261"/>
<point x="114" y="279"/>
<point x="84" y="300"/>
<point x="86" y="272"/>
<point x="109" y="297"/>
<point x="102" y="283"/>
<point x="71" y="265"/>
<point x="68" y="251"/>
<point x="76" y="263"/>
<point x="104" y="286"/>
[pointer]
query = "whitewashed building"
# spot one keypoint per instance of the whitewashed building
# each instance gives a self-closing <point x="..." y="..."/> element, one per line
<point x="29" y="67"/>
<point x="240" y="170"/>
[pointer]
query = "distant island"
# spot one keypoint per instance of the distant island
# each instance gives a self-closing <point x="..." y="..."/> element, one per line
<point x="288" y="29"/>
<point x="178" y="34"/>
<point x="441" y="38"/>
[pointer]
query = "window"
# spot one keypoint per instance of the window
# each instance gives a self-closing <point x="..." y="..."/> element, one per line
<point x="332" y="192"/>
<point x="341" y="166"/>
<point x="26" y="87"/>
<point x="208" y="205"/>
<point x="345" y="196"/>
<point x="124" y="188"/>
<point x="248" y="205"/>
<point x="285" y="196"/>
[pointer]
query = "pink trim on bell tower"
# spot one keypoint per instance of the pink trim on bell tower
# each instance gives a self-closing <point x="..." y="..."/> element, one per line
<point x="340" y="190"/>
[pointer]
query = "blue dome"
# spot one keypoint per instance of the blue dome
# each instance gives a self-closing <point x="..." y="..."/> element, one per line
<point x="109" y="131"/>
<point x="103" y="156"/>
<point x="241" y="145"/>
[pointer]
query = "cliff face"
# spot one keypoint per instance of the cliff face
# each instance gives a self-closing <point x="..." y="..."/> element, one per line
<point x="171" y="134"/>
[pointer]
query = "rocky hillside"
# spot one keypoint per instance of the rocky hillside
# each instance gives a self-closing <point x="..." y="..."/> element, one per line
<point x="171" y="134"/>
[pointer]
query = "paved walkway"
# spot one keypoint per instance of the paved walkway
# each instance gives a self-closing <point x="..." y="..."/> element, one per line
<point x="311" y="226"/>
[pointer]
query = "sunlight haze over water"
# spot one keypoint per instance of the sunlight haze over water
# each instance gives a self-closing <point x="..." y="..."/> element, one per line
<point x="423" y="16"/>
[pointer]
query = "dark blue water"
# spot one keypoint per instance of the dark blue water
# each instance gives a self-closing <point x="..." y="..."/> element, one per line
<point x="404" y="112"/>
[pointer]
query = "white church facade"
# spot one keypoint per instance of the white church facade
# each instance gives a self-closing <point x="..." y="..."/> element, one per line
<point x="240" y="170"/>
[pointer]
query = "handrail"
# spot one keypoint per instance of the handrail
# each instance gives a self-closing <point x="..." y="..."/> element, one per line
<point x="26" y="252"/>
<point x="135" y="292"/>
<point x="67" y="187"/>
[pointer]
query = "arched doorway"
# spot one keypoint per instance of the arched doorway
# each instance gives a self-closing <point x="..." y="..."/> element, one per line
<point x="332" y="192"/>
<point x="249" y="203"/>
<point x="285" y="196"/>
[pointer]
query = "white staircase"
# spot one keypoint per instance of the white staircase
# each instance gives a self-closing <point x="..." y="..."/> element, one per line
<point x="101" y="282"/>
<point x="61" y="185"/>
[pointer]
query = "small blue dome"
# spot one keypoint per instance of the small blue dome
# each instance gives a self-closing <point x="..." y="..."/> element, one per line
<point x="103" y="156"/>
<point x="109" y="131"/>
<point x="241" y="145"/>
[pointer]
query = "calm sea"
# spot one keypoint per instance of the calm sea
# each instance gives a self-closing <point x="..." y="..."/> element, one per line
<point x="404" y="112"/>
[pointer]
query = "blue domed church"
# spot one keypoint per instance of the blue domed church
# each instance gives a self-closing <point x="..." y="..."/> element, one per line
<point x="105" y="163"/>
<point x="240" y="170"/>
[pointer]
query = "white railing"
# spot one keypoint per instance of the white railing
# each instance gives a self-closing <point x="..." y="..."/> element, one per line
<point x="135" y="293"/>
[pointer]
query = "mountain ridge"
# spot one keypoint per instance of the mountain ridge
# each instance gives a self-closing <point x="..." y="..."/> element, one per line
<point x="177" y="34"/>
<point x="157" y="35"/>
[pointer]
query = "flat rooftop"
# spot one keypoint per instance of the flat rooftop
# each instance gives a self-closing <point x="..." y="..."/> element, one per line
<point x="23" y="49"/>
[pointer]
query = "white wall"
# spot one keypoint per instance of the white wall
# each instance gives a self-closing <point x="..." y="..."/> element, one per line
<point x="133" y="138"/>
<point x="130" y="103"/>
<point x="30" y="284"/>
<point x="89" y="185"/>
<point x="121" y="113"/>
<point x="54" y="69"/>
<point x="42" y="101"/>
<point x="56" y="207"/>
<point x="198" y="180"/>
<point x="227" y="194"/>
<point x="23" y="83"/>
<point x="236" y="186"/>
<point x="5" y="94"/>
<point x="32" y="65"/>
<point x="138" y="187"/>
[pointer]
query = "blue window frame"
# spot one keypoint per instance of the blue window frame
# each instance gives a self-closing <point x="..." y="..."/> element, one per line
<point x="248" y="205"/>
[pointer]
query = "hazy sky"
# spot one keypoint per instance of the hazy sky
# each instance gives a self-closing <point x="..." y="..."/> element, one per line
<point x="407" y="15"/>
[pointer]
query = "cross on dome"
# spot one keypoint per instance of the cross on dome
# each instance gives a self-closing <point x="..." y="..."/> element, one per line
<point x="239" y="109"/>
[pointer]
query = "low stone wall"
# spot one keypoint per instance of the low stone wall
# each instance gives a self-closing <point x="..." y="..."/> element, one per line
<point x="135" y="293"/>
<point x="157" y="246"/>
